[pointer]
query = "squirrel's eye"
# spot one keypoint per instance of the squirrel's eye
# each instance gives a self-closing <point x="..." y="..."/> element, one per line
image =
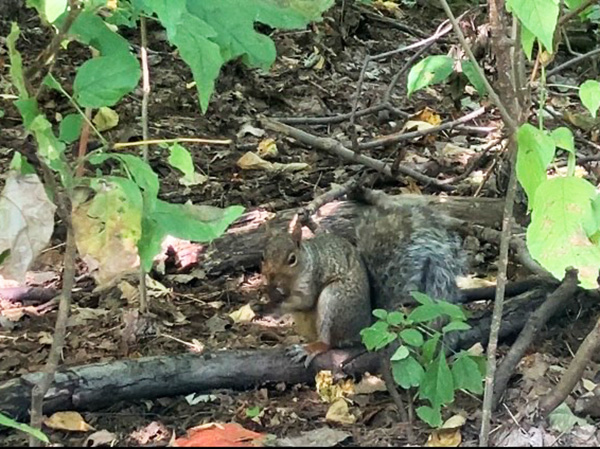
<point x="292" y="260"/>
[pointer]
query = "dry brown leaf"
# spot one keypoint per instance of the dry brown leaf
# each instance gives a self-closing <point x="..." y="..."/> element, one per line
<point x="101" y="438"/>
<point x="339" y="412"/>
<point x="369" y="384"/>
<point x="444" y="438"/>
<point x="69" y="421"/>
<point x="428" y="115"/>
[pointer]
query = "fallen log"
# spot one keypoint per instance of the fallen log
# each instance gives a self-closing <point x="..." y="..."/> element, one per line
<point x="241" y="246"/>
<point x="99" y="385"/>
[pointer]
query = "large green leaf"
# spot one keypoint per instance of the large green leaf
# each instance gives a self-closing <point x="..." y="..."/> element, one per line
<point x="103" y="81"/>
<point x="467" y="375"/>
<point x="16" y="61"/>
<point x="561" y="225"/>
<point x="431" y="70"/>
<point x="538" y="16"/>
<point x="535" y="152"/>
<point x="437" y="385"/>
<point x="209" y="33"/>
<point x="50" y="149"/>
<point x="407" y="372"/>
<point x="184" y="221"/>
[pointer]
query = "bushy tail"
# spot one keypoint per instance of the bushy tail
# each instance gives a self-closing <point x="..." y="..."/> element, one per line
<point x="407" y="249"/>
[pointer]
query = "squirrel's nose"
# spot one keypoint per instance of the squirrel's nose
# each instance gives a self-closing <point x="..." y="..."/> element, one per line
<point x="276" y="293"/>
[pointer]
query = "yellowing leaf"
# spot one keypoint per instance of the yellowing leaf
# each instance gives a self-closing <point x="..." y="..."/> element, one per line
<point x="107" y="229"/>
<point x="105" y="119"/>
<point x="244" y="314"/>
<point x="339" y="413"/>
<point x="328" y="391"/>
<point x="268" y="148"/>
<point x="70" y="421"/>
<point x="429" y="116"/>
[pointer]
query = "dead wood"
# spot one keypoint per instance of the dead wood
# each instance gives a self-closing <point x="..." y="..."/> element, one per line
<point x="241" y="246"/>
<point x="99" y="385"/>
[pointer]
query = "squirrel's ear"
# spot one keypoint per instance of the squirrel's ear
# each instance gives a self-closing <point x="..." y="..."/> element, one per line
<point x="296" y="230"/>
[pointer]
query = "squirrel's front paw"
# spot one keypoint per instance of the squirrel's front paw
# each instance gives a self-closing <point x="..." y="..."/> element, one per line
<point x="299" y="354"/>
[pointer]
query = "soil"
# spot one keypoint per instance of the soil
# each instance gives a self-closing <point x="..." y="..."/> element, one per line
<point x="197" y="308"/>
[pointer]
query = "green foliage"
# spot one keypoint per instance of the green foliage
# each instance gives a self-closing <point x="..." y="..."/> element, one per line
<point x="589" y="93"/>
<point x="535" y="151"/>
<point x="430" y="70"/>
<point x="472" y="75"/>
<point x="419" y="360"/>
<point x="539" y="17"/>
<point x="209" y="33"/>
<point x="9" y="422"/>
<point x="562" y="223"/>
<point x="563" y="420"/>
<point x="70" y="128"/>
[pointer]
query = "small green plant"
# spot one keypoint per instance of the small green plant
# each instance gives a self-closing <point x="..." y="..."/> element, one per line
<point x="9" y="422"/>
<point x="420" y="360"/>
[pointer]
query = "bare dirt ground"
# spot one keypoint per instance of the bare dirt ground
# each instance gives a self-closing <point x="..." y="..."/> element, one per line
<point x="197" y="307"/>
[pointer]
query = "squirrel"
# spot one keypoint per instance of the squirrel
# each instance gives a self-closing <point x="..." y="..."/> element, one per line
<point x="330" y="283"/>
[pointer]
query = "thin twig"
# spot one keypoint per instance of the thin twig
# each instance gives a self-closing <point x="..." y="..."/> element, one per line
<point x="401" y="136"/>
<point x="334" y="147"/>
<point x="555" y="301"/>
<point x="570" y="62"/>
<point x="119" y="145"/>
<point x="573" y="374"/>
<point x="473" y="162"/>
<point x="507" y="220"/>
<point x="568" y="16"/>
<point x="145" y="137"/>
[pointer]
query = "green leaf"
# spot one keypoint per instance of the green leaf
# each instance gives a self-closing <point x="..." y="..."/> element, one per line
<point x="455" y="326"/>
<point x="422" y="298"/>
<point x="407" y="372"/>
<point x="430" y="347"/>
<point x="400" y="354"/>
<point x="535" y="152"/>
<point x="563" y="137"/>
<point x="472" y="75"/>
<point x="20" y="164"/>
<point x="380" y="314"/>
<point x="432" y="416"/>
<point x="467" y="375"/>
<point x="377" y="336"/>
<point x="28" y="108"/>
<point x="425" y="313"/>
<point x="412" y="337"/>
<point x="139" y="170"/>
<point x="431" y="70"/>
<point x="181" y="159"/>
<point x="563" y="420"/>
<point x="538" y="16"/>
<point x="253" y="412"/>
<point x="209" y="33"/>
<point x="589" y="93"/>
<point x="454" y="311"/>
<point x="437" y="385"/>
<point x="9" y="422"/>
<point x="396" y="318"/>
<point x="50" y="149"/>
<point x="184" y="221"/>
<point x="70" y="128"/>
<point x="16" y="61"/>
<point x="103" y="81"/>
<point x="561" y="223"/>
<point x="527" y="41"/>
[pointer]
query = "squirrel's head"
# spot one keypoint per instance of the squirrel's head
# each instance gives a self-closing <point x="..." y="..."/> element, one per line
<point x="281" y="262"/>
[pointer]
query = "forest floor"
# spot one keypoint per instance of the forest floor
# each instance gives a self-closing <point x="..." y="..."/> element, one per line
<point x="196" y="307"/>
